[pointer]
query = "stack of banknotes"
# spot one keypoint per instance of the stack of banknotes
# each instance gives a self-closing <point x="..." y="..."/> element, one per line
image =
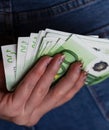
<point x="92" y="51"/>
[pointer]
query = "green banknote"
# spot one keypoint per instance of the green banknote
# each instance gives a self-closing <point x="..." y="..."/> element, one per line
<point x="95" y="64"/>
<point x="30" y="50"/>
<point x="92" y="51"/>
<point x="9" y="61"/>
<point x="21" y="57"/>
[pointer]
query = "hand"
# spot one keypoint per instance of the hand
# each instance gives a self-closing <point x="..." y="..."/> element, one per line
<point x="34" y="97"/>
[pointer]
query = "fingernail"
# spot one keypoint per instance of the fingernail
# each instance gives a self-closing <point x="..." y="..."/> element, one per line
<point x="80" y="65"/>
<point x="85" y="75"/>
<point x="81" y="61"/>
<point x="61" y="59"/>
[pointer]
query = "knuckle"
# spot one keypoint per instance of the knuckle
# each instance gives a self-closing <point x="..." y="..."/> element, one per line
<point x="41" y="91"/>
<point x="39" y="71"/>
<point x="69" y="80"/>
<point x="56" y="96"/>
<point x="32" y="120"/>
<point x="69" y="96"/>
<point x="60" y="94"/>
<point x="53" y="69"/>
<point x="31" y="123"/>
<point x="39" y="68"/>
<point x="71" y="77"/>
<point x="15" y="110"/>
<point x="50" y="75"/>
<point x="77" y="88"/>
<point x="20" y="120"/>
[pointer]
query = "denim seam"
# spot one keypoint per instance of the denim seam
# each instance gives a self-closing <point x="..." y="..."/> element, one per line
<point x="56" y="13"/>
<point x="62" y="4"/>
<point x="73" y="7"/>
<point x="98" y="102"/>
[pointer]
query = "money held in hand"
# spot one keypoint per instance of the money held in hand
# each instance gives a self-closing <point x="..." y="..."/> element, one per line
<point x="92" y="51"/>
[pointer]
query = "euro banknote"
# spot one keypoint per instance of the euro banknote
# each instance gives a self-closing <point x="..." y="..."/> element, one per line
<point x="92" y="51"/>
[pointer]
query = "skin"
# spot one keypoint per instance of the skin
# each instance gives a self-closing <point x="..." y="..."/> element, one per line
<point x="34" y="97"/>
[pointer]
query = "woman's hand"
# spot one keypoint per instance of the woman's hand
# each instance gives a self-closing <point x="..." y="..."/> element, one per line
<point x="33" y="97"/>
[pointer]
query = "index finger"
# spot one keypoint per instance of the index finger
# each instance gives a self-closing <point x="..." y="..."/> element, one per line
<point x="26" y="86"/>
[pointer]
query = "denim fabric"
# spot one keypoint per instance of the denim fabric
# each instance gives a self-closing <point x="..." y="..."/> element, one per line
<point x="80" y="113"/>
<point x="33" y="4"/>
<point x="89" y="109"/>
<point x="4" y="125"/>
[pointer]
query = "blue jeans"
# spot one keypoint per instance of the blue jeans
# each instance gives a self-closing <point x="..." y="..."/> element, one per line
<point x="89" y="109"/>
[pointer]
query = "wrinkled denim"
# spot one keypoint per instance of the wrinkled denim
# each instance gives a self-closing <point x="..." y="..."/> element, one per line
<point x="89" y="109"/>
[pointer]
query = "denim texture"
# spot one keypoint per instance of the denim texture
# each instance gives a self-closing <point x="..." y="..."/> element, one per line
<point x="89" y="109"/>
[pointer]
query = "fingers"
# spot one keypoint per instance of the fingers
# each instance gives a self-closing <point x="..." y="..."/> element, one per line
<point x="64" y="86"/>
<point x="33" y="98"/>
<point x="42" y="110"/>
<point x="43" y="85"/>
<point x="26" y="86"/>
<point x="71" y="93"/>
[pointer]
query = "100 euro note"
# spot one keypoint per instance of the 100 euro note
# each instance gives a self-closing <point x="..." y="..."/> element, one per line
<point x="96" y="64"/>
<point x="51" y="39"/>
<point x="46" y="45"/>
<point x="30" y="50"/>
<point x="22" y="47"/>
<point x="9" y="60"/>
<point x="97" y="44"/>
<point x="51" y="42"/>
